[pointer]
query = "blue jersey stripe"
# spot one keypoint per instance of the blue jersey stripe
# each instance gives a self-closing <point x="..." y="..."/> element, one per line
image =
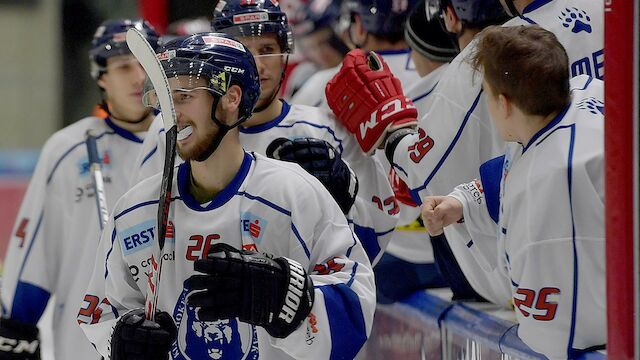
<point x="346" y="322"/>
<point x="420" y="97"/>
<point x="29" y="303"/>
<point x="575" y="249"/>
<point x="128" y="210"/>
<point x="414" y="192"/>
<point x="33" y="240"/>
<point x="113" y="238"/>
<point x="302" y="243"/>
<point x="266" y="202"/>
<point x="149" y="155"/>
<point x="64" y="155"/>
<point x="329" y="130"/>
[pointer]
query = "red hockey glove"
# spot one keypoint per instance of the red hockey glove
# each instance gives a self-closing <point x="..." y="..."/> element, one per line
<point x="368" y="99"/>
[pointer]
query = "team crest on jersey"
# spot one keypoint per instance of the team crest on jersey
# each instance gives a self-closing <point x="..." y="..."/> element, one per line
<point x="137" y="237"/>
<point x="575" y="19"/>
<point x="592" y="105"/>
<point x="253" y="226"/>
<point x="223" y="339"/>
<point x="83" y="163"/>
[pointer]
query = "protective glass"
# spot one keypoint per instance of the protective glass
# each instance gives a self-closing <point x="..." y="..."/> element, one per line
<point x="187" y="78"/>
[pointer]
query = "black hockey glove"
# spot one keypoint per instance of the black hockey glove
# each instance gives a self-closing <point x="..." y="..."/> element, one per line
<point x="135" y="338"/>
<point x="322" y="161"/>
<point x="276" y="293"/>
<point x="18" y="341"/>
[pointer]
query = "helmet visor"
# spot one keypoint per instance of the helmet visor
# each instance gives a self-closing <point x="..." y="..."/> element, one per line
<point x="185" y="76"/>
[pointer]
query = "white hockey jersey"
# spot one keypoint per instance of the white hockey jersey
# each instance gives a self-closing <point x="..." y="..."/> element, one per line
<point x="374" y="213"/>
<point x="550" y="212"/>
<point x="411" y="240"/>
<point x="457" y="135"/>
<point x="272" y="206"/>
<point x="54" y="242"/>
<point x="399" y="61"/>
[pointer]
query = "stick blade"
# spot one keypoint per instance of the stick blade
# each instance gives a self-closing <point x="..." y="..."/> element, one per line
<point x="142" y="50"/>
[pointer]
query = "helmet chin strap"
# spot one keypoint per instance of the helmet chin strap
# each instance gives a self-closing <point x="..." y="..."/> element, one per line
<point x="223" y="129"/>
<point x="277" y="90"/>
<point x="509" y="7"/>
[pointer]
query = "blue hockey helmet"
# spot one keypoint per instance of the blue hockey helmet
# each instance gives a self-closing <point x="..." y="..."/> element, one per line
<point x="253" y="18"/>
<point x="317" y="15"/>
<point x="217" y="58"/>
<point x="384" y="18"/>
<point x="110" y="40"/>
<point x="474" y="13"/>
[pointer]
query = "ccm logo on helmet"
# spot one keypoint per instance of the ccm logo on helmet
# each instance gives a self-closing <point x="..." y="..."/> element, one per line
<point x="233" y="70"/>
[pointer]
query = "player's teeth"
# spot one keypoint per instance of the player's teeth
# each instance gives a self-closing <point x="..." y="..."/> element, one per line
<point x="184" y="133"/>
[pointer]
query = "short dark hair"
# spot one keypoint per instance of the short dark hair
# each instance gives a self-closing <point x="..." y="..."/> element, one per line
<point x="527" y="64"/>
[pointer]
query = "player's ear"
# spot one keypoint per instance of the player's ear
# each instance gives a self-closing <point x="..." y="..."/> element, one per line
<point x="505" y="105"/>
<point x="451" y="20"/>
<point x="231" y="100"/>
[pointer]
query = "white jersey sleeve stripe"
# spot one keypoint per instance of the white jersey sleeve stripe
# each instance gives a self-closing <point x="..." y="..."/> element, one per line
<point x="415" y="192"/>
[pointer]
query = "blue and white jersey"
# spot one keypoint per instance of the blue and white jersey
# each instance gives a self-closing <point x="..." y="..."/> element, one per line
<point x="55" y="238"/>
<point x="399" y="61"/>
<point x="411" y="240"/>
<point x="578" y="25"/>
<point x="373" y="215"/>
<point x="456" y="136"/>
<point x="270" y="206"/>
<point x="548" y="200"/>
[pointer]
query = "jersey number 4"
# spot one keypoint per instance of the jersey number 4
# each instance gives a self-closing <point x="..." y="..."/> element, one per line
<point x="544" y="310"/>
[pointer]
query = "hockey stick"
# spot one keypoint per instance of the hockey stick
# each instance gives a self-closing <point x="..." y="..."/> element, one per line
<point x="95" y="164"/>
<point x="147" y="58"/>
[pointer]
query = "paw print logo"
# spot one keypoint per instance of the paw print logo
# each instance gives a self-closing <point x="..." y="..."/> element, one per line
<point x="576" y="19"/>
<point x="592" y="105"/>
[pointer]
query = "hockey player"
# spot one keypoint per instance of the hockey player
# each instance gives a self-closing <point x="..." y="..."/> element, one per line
<point x="250" y="269"/>
<point x="368" y="199"/>
<point x="457" y="136"/>
<point x="408" y="262"/>
<point x="374" y="26"/>
<point x="57" y="230"/>
<point x="551" y="251"/>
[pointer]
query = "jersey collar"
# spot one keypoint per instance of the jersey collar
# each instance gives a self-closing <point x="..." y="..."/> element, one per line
<point x="548" y="127"/>
<point x="269" y="124"/>
<point x="536" y="4"/>
<point x="122" y="132"/>
<point x="184" y="173"/>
